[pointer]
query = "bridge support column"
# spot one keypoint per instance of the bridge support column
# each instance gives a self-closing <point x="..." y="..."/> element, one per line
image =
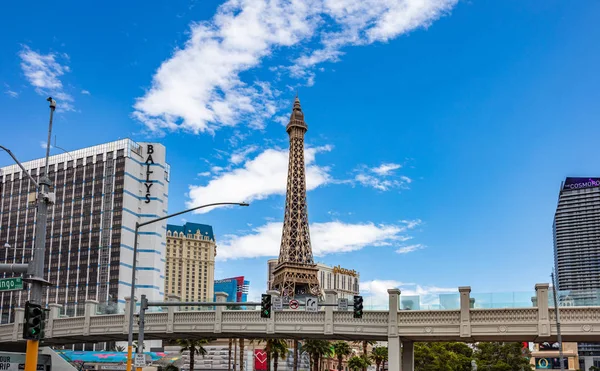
<point x="54" y="314"/>
<point x="171" y="312"/>
<point x="394" y="352"/>
<point x="541" y="292"/>
<point x="126" y="318"/>
<point x="221" y="298"/>
<point x="271" y="321"/>
<point x="408" y="355"/>
<point x="465" y="311"/>
<point x="19" y="317"/>
<point x="91" y="306"/>
<point x="330" y="298"/>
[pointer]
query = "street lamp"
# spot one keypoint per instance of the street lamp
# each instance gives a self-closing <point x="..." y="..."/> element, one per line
<point x="134" y="264"/>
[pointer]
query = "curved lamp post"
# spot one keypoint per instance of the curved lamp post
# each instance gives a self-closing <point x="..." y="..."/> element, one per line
<point x="134" y="264"/>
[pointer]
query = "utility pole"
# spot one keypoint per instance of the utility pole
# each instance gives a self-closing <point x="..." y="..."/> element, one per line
<point x="557" y="311"/>
<point x="35" y="269"/>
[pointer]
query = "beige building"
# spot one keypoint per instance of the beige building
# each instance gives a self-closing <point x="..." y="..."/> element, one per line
<point x="344" y="281"/>
<point x="190" y="262"/>
<point x="545" y="356"/>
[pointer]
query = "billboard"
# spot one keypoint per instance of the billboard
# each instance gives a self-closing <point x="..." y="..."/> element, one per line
<point x="10" y="361"/>
<point x="260" y="360"/>
<point x="580" y="183"/>
<point x="550" y="363"/>
<point x="549" y="346"/>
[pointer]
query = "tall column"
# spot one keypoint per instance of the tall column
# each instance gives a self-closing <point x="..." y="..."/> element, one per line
<point x="541" y="292"/>
<point x="91" y="307"/>
<point x="408" y="355"/>
<point x="330" y="298"/>
<point x="54" y="314"/>
<point x="465" y="312"/>
<point x="394" y="355"/>
<point x="126" y="318"/>
<point x="271" y="321"/>
<point x="221" y="298"/>
<point x="171" y="312"/>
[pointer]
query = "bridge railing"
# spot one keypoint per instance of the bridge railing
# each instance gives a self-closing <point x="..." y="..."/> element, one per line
<point x="467" y="323"/>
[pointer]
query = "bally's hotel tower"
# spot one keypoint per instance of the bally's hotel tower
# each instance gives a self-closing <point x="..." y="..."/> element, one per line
<point x="101" y="192"/>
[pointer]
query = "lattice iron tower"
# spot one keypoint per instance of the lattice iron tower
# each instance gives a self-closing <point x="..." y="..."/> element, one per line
<point x="296" y="272"/>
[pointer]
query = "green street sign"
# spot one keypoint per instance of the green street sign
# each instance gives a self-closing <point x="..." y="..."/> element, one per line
<point x="11" y="284"/>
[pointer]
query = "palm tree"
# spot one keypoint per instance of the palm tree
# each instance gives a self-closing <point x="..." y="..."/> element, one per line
<point x="242" y="354"/>
<point x="365" y="344"/>
<point x="279" y="348"/>
<point x="229" y="355"/>
<point x="379" y="355"/>
<point x="317" y="349"/>
<point x="357" y="363"/>
<point x="194" y="346"/>
<point x="341" y="349"/>
<point x="295" y="355"/>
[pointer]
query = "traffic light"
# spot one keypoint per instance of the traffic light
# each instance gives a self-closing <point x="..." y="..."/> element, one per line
<point x="33" y="328"/>
<point x="265" y="306"/>
<point x="358" y="306"/>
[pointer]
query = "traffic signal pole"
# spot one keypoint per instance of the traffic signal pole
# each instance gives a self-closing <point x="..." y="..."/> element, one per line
<point x="36" y="266"/>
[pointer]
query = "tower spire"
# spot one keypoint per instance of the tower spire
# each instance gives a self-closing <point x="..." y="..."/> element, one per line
<point x="296" y="272"/>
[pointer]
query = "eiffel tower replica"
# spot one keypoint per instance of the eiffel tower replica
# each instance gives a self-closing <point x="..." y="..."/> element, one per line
<point x="295" y="274"/>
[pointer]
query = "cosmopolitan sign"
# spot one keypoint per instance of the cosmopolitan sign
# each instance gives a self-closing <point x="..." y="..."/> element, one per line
<point x="581" y="183"/>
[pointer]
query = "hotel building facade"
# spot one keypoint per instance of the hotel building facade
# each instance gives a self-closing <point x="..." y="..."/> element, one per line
<point x="100" y="194"/>
<point x="190" y="264"/>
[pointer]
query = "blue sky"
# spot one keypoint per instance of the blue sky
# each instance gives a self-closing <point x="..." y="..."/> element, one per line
<point x="438" y="134"/>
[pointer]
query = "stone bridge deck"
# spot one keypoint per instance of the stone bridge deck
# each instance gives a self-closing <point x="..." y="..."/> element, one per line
<point x="464" y="324"/>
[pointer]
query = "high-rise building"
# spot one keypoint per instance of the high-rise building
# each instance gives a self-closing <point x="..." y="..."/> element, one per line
<point x="100" y="194"/>
<point x="345" y="282"/>
<point x="577" y="235"/>
<point x="236" y="288"/>
<point x="296" y="273"/>
<point x="190" y="268"/>
<point x="577" y="249"/>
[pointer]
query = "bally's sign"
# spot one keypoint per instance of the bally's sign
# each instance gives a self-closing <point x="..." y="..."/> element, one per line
<point x="581" y="183"/>
<point x="149" y="161"/>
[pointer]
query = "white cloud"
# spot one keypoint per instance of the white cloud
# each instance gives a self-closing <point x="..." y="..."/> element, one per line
<point x="12" y="93"/>
<point x="204" y="173"/>
<point x="85" y="92"/>
<point x="43" y="71"/>
<point x="257" y="179"/>
<point x="382" y="177"/>
<point x="410" y="248"/>
<point x="43" y="144"/>
<point x="240" y="156"/>
<point x="200" y="88"/>
<point x="376" y="296"/>
<point x="385" y="169"/>
<point x="326" y="238"/>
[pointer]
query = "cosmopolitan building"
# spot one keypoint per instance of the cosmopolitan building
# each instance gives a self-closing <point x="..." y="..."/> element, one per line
<point x="190" y="268"/>
<point x="236" y="289"/>
<point x="101" y="192"/>
<point x="344" y="281"/>
<point x="576" y="230"/>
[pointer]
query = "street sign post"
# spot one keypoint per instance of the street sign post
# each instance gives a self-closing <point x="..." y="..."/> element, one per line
<point x="312" y="305"/>
<point x="294" y="304"/>
<point x="140" y="360"/>
<point x="342" y="304"/>
<point x="277" y="303"/>
<point x="11" y="284"/>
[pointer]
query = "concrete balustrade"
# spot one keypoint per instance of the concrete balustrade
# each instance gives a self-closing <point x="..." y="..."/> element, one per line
<point x="400" y="328"/>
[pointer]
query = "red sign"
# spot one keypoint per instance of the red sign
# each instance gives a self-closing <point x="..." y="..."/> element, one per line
<point x="260" y="360"/>
<point x="294" y="304"/>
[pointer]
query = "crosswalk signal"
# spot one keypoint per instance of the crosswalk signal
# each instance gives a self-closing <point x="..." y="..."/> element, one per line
<point x="358" y="306"/>
<point x="265" y="306"/>
<point x="33" y="328"/>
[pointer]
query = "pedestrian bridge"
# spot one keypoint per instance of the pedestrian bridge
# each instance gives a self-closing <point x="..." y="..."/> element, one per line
<point x="465" y="324"/>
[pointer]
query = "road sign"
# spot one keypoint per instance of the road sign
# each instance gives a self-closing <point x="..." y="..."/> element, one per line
<point x="277" y="303"/>
<point x="140" y="360"/>
<point x="312" y="305"/>
<point x="11" y="284"/>
<point x="294" y="304"/>
<point x="342" y="304"/>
